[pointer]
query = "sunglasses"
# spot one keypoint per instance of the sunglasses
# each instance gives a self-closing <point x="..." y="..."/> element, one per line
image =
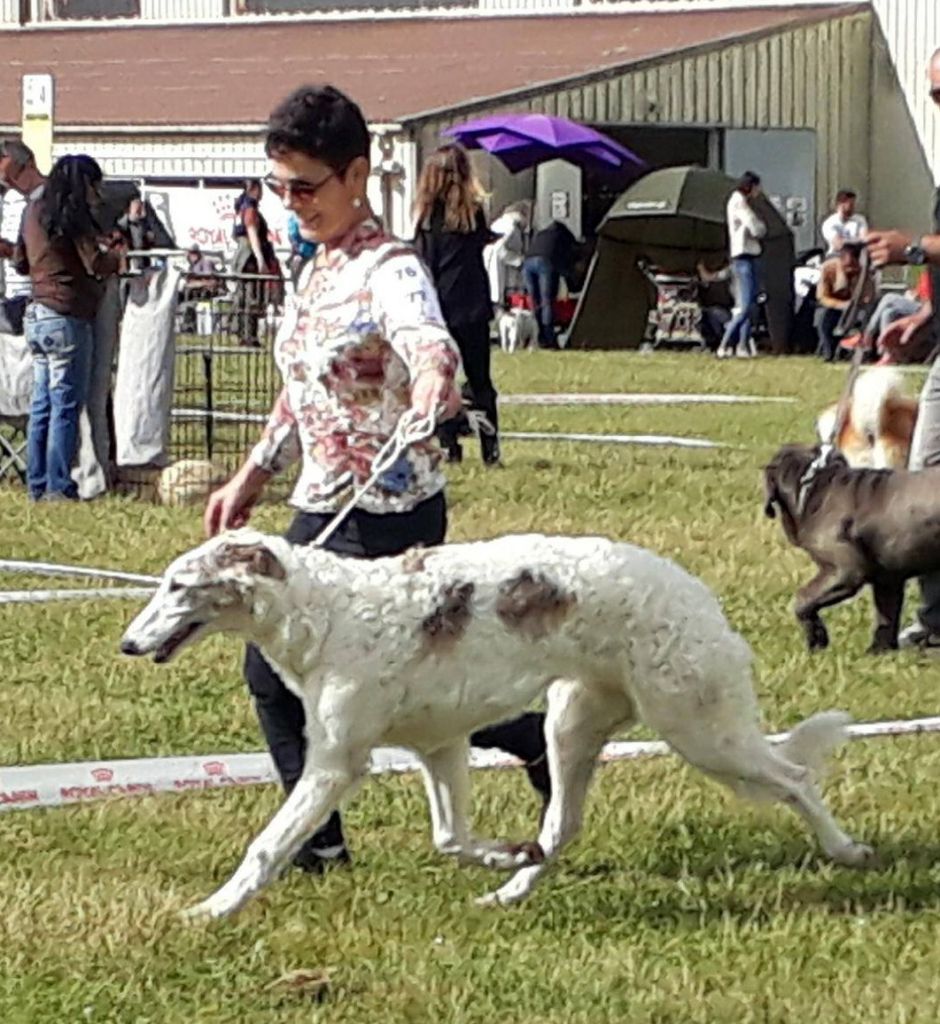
<point x="296" y="187"/>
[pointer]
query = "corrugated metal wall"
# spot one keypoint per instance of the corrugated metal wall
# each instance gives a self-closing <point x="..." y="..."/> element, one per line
<point x="814" y="76"/>
<point x="912" y="31"/>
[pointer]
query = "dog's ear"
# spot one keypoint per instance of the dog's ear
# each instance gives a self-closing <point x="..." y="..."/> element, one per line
<point x="257" y="559"/>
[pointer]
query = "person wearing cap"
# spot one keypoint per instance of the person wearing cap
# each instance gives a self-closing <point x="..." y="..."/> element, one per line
<point x="843" y="224"/>
<point x="838" y="279"/>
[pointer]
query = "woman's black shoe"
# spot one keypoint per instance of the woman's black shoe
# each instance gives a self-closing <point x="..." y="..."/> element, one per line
<point x="313" y="863"/>
<point x="489" y="445"/>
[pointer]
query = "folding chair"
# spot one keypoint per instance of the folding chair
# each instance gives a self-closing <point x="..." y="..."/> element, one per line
<point x="16" y="389"/>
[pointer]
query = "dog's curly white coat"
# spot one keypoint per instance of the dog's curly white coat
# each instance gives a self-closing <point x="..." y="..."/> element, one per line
<point x="422" y="649"/>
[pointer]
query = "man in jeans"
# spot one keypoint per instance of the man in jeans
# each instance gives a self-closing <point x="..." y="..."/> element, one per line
<point x="745" y="230"/>
<point x="894" y="247"/>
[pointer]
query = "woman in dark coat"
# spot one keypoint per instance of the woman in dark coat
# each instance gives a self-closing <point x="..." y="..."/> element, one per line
<point x="450" y="235"/>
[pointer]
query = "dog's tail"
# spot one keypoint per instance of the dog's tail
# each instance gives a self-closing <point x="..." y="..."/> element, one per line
<point x="812" y="742"/>
<point x="872" y="391"/>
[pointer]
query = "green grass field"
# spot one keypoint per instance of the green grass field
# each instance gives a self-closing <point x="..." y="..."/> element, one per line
<point x="678" y="905"/>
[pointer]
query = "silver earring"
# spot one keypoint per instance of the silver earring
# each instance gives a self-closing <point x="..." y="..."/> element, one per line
<point x="357" y="202"/>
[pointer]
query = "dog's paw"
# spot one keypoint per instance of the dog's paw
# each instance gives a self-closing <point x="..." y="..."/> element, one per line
<point x="210" y="909"/>
<point x="856" y="855"/>
<point x="817" y="636"/>
<point x="515" y="890"/>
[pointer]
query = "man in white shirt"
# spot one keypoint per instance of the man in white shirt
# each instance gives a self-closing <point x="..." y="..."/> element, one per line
<point x="844" y="224"/>
<point x="745" y="231"/>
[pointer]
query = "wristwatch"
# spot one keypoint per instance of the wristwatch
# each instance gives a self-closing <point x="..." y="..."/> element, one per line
<point x="915" y="255"/>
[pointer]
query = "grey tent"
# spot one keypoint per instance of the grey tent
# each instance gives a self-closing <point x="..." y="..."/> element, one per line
<point x="672" y="218"/>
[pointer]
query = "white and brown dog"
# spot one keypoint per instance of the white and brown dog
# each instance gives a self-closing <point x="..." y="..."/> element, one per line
<point x="878" y="430"/>
<point x="422" y="649"/>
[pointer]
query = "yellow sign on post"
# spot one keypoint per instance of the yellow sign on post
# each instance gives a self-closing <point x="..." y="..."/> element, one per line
<point x="38" y="105"/>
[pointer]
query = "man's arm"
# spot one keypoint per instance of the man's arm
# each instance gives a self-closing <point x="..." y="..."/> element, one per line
<point x="830" y="234"/>
<point x="749" y="217"/>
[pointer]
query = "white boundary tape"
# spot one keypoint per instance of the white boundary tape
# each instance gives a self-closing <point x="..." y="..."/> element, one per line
<point x="54" y="569"/>
<point x="67" y="594"/>
<point x="649" y="439"/>
<point x="86" y="594"/>
<point x="514" y="435"/>
<point x="52" y="785"/>
<point x="637" y="398"/>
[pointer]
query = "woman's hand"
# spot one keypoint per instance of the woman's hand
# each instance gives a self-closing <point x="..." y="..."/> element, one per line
<point x="229" y="507"/>
<point x="900" y="333"/>
<point x="886" y="247"/>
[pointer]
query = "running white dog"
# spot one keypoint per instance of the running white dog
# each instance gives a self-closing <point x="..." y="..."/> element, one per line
<point x="422" y="649"/>
<point x="518" y="328"/>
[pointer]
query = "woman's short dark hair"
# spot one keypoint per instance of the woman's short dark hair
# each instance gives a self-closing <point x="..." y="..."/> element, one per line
<point x="748" y="180"/>
<point x="64" y="209"/>
<point x="323" y="123"/>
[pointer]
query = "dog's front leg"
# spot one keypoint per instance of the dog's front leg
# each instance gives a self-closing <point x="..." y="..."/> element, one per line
<point x="889" y="600"/>
<point x="310" y="803"/>
<point x="828" y="587"/>
<point x="447" y="784"/>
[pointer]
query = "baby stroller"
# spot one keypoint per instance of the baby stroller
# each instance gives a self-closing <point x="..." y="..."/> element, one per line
<point x="676" y="318"/>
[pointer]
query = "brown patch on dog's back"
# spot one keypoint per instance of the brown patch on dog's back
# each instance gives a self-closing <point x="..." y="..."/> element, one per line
<point x="533" y="604"/>
<point x="449" y="620"/>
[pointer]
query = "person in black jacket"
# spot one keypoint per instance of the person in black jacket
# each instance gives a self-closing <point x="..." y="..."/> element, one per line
<point x="450" y="235"/>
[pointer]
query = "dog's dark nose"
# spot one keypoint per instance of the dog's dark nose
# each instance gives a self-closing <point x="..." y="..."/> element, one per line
<point x="129" y="647"/>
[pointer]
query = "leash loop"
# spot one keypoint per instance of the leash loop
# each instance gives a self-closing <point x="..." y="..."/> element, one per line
<point x="411" y="428"/>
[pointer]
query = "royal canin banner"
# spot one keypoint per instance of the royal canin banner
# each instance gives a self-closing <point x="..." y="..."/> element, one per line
<point x="206" y="216"/>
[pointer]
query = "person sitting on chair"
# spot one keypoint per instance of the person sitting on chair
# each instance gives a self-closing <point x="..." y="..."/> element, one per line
<point x="837" y="282"/>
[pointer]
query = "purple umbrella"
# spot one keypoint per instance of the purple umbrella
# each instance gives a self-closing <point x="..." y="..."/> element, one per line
<point x="524" y="140"/>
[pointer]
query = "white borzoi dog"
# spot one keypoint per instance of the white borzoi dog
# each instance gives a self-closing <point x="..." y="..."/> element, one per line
<point x="422" y="649"/>
<point x="518" y="329"/>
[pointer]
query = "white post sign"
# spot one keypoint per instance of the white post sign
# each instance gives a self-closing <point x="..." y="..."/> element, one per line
<point x="37" y="97"/>
<point x="38" y="104"/>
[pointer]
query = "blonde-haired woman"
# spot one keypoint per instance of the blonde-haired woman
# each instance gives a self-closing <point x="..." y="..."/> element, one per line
<point x="450" y="235"/>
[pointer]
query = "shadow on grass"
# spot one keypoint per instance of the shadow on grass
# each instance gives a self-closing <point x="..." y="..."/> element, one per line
<point x="753" y="884"/>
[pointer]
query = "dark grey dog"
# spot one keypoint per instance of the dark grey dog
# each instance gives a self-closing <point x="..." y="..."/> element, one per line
<point x="859" y="526"/>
